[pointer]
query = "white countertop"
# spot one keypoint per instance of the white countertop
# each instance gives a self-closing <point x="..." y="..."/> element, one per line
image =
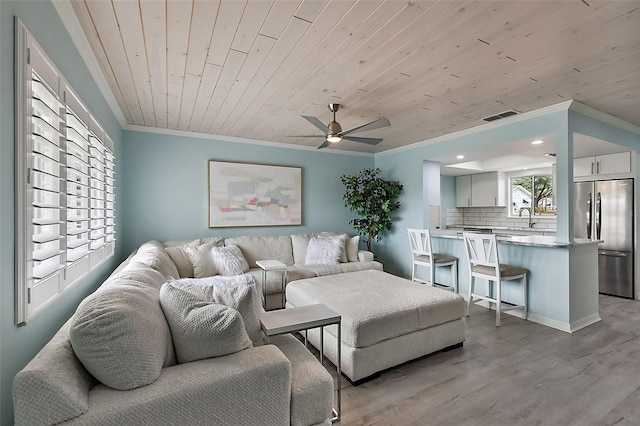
<point x="523" y="240"/>
<point x="503" y="228"/>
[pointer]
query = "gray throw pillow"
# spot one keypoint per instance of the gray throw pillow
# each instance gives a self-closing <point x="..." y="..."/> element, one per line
<point x="324" y="251"/>
<point x="239" y="292"/>
<point x="201" y="328"/>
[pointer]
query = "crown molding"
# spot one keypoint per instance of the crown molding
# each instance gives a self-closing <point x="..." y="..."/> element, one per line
<point x="221" y="138"/>
<point x="74" y="28"/>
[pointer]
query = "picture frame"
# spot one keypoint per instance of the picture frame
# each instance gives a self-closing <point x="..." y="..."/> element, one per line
<point x="249" y="194"/>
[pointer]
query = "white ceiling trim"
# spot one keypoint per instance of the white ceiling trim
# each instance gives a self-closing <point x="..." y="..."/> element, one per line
<point x="73" y="27"/>
<point x="220" y="138"/>
<point x="484" y="127"/>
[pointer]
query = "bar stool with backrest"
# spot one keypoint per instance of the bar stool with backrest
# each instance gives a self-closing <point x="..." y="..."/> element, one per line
<point x="423" y="255"/>
<point x="482" y="253"/>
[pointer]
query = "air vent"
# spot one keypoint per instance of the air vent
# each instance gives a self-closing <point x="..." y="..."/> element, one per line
<point x="501" y="115"/>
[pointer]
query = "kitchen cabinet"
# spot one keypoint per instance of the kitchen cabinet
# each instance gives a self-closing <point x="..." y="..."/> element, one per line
<point x="463" y="191"/>
<point x="480" y="190"/>
<point x="599" y="165"/>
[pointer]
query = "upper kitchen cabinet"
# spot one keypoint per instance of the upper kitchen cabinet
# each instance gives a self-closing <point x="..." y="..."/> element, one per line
<point x="463" y="191"/>
<point x="480" y="190"/>
<point x="600" y="165"/>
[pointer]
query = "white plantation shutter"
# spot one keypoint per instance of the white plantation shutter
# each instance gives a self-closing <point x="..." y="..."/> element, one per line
<point x="64" y="183"/>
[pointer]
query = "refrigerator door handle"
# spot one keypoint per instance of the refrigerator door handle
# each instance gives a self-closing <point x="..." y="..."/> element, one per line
<point x="589" y="217"/>
<point x="613" y="254"/>
<point x="598" y="215"/>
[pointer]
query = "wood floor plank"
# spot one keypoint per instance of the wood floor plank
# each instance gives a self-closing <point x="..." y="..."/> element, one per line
<point x="521" y="373"/>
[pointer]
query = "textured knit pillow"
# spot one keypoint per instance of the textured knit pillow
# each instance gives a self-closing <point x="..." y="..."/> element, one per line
<point x="121" y="336"/>
<point x="324" y="251"/>
<point x="202" y="260"/>
<point x="239" y="292"/>
<point x="229" y="260"/>
<point x="201" y="328"/>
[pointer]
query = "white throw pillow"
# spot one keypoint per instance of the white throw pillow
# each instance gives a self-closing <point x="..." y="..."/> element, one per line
<point x="239" y="292"/>
<point x="229" y="260"/>
<point x="201" y="328"/>
<point x="202" y="260"/>
<point x="343" y="239"/>
<point x="324" y="251"/>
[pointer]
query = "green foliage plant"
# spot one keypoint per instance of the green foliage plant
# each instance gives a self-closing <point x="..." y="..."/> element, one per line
<point x="373" y="199"/>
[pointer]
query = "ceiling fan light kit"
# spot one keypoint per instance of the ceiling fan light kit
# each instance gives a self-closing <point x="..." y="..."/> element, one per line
<point x="333" y="131"/>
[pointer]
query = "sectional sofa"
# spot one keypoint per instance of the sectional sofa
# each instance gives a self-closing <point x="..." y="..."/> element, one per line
<point x="117" y="359"/>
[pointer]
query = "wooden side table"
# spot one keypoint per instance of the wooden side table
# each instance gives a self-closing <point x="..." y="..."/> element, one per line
<point x="304" y="318"/>
<point x="277" y="266"/>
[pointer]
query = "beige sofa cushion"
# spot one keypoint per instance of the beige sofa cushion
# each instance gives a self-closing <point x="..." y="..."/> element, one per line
<point x="256" y="248"/>
<point x="352" y="248"/>
<point x="202" y="260"/>
<point x="121" y="336"/>
<point x="239" y="292"/>
<point x="154" y="255"/>
<point x="180" y="257"/>
<point x="201" y="328"/>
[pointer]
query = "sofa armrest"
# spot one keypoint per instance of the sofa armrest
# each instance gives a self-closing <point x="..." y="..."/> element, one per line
<point x="365" y="256"/>
<point x="252" y="386"/>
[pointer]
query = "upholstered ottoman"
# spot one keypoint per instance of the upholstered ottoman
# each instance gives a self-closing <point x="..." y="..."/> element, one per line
<point x="386" y="320"/>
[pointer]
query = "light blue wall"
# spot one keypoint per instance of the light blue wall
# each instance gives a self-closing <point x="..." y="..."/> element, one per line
<point x="19" y="344"/>
<point x="166" y="188"/>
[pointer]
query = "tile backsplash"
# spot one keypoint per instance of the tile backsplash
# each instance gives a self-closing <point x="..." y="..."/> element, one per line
<point x="494" y="216"/>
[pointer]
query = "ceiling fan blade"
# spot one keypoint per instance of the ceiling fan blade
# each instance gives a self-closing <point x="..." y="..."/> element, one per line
<point x="324" y="145"/>
<point x="369" y="141"/>
<point x="305" y="136"/>
<point x="375" y="124"/>
<point x="319" y="124"/>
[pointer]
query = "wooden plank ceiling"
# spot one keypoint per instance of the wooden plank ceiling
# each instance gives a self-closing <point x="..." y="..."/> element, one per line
<point x="250" y="69"/>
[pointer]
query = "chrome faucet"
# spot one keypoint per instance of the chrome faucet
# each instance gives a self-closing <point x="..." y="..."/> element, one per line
<point x="530" y="210"/>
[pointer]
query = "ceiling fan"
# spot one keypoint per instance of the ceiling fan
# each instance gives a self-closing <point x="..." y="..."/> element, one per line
<point x="334" y="133"/>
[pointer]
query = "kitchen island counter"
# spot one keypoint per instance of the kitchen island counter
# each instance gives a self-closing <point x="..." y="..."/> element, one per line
<point x="559" y="297"/>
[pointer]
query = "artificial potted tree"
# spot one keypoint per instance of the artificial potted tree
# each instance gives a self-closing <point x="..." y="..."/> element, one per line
<point x="373" y="199"/>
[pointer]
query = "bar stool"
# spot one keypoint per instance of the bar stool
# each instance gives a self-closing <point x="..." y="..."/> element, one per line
<point x="423" y="255"/>
<point x="482" y="253"/>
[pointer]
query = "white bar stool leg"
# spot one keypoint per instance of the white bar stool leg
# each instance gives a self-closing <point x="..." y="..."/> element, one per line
<point x="498" y="301"/>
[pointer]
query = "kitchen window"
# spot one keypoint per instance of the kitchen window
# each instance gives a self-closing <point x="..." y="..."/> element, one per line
<point x="532" y="195"/>
<point x="64" y="183"/>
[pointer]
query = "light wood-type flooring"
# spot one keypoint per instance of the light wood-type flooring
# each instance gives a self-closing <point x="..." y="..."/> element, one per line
<point x="521" y="373"/>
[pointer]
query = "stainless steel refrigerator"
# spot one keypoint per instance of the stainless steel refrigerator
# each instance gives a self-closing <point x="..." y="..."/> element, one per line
<point x="604" y="211"/>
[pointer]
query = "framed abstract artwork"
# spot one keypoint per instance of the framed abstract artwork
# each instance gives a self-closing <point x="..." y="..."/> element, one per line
<point x="246" y="194"/>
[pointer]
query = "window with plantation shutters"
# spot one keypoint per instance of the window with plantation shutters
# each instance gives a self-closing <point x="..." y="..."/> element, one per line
<point x="64" y="183"/>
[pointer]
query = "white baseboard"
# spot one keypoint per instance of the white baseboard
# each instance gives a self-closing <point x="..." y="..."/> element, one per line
<point x="542" y="320"/>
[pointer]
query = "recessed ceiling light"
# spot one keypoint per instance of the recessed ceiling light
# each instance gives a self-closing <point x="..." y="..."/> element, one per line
<point x="460" y="157"/>
<point x="537" y="142"/>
